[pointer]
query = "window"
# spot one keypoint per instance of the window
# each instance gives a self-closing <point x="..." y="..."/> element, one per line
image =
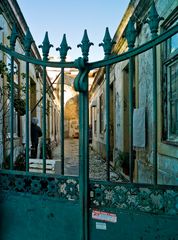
<point x="95" y="119"/>
<point x="101" y="106"/>
<point x="170" y="87"/>
<point x="173" y="99"/>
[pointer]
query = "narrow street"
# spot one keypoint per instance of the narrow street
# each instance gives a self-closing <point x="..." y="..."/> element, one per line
<point x="97" y="166"/>
<point x="71" y="156"/>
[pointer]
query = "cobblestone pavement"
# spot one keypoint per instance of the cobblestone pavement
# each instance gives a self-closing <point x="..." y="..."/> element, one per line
<point x="71" y="156"/>
<point x="97" y="169"/>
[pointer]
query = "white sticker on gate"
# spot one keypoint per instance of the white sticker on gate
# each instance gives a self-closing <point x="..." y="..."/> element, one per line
<point x="100" y="226"/>
<point x="104" y="216"/>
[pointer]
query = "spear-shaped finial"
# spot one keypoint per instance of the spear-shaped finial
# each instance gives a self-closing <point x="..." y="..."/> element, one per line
<point x="107" y="43"/>
<point x="130" y="34"/>
<point x="153" y="20"/>
<point x="13" y="37"/>
<point x="28" y="40"/>
<point x="46" y="47"/>
<point x="63" y="48"/>
<point x="85" y="46"/>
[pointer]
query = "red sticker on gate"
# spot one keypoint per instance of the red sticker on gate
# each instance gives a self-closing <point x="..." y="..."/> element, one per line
<point x="104" y="216"/>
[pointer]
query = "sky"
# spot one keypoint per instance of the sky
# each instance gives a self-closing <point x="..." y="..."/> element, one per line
<point x="72" y="18"/>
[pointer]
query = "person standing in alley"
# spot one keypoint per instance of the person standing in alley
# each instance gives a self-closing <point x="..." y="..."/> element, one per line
<point x="35" y="134"/>
<point x="90" y="134"/>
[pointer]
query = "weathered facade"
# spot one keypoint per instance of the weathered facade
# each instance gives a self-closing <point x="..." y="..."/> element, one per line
<point x="10" y="14"/>
<point x="143" y="123"/>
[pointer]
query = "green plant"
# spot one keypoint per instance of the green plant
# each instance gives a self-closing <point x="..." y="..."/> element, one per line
<point x="122" y="159"/>
<point x="6" y="162"/>
<point x="20" y="162"/>
<point x="19" y="105"/>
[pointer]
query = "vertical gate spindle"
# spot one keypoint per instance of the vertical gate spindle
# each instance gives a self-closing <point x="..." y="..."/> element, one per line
<point x="45" y="49"/>
<point x="13" y="38"/>
<point x="27" y="44"/>
<point x="107" y="46"/>
<point x="130" y="35"/>
<point x="153" y="21"/>
<point x="81" y="85"/>
<point x="63" y="53"/>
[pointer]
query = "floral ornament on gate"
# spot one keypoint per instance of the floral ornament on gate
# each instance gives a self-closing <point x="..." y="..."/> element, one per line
<point x="35" y="186"/>
<point x="171" y="202"/>
<point x="5" y="182"/>
<point x="69" y="189"/>
<point x="52" y="188"/>
<point x="19" y="184"/>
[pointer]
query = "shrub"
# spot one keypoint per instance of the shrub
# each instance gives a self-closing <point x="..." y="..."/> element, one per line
<point x="20" y="162"/>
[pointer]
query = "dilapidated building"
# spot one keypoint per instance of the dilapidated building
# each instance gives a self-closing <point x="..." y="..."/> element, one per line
<point x="142" y="98"/>
<point x="11" y="19"/>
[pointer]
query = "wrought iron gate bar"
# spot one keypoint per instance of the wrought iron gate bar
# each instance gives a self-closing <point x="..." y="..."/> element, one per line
<point x="131" y="80"/>
<point x="27" y="44"/>
<point x="130" y="35"/>
<point x="153" y="22"/>
<point x="45" y="50"/>
<point x="63" y="49"/>
<point x="27" y="118"/>
<point x="62" y="121"/>
<point x="92" y="65"/>
<point x="108" y="121"/>
<point x="12" y="113"/>
<point x="155" y="130"/>
<point x="84" y="160"/>
<point x="44" y="120"/>
<point x="12" y="39"/>
<point x="136" y="51"/>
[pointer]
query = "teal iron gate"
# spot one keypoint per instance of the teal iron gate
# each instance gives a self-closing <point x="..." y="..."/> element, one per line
<point x="48" y="207"/>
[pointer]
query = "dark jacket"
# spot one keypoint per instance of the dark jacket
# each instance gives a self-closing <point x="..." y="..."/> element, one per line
<point x="35" y="133"/>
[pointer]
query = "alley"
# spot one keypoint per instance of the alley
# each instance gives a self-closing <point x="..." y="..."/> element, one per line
<point x="97" y="165"/>
<point x="71" y="156"/>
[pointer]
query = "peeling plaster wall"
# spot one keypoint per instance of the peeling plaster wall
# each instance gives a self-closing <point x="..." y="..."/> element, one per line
<point x="167" y="155"/>
<point x="120" y="103"/>
<point x="6" y="23"/>
<point x="98" y="139"/>
<point x="167" y="164"/>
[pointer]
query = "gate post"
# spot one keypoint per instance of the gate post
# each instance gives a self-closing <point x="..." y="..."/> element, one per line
<point x="81" y="85"/>
<point x="84" y="162"/>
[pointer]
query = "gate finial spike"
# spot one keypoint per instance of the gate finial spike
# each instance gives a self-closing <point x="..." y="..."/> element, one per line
<point x="85" y="46"/>
<point x="63" y="48"/>
<point x="46" y="46"/>
<point x="130" y="34"/>
<point x="28" y="40"/>
<point x="153" y="20"/>
<point x="107" y="43"/>
<point x="13" y="37"/>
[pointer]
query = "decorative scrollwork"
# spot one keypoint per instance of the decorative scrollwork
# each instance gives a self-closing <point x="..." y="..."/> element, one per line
<point x="69" y="189"/>
<point x="134" y="197"/>
<point x="81" y="82"/>
<point x="60" y="187"/>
